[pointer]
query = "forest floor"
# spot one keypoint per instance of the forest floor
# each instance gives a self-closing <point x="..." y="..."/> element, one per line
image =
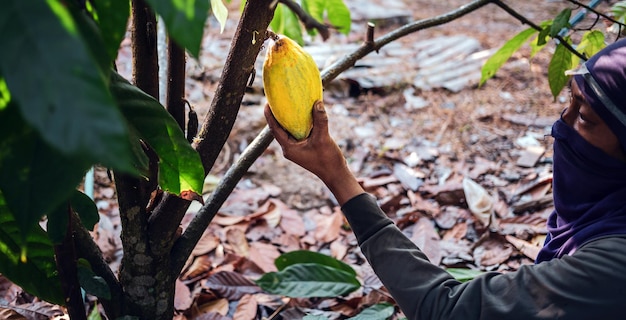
<point x="410" y="146"/>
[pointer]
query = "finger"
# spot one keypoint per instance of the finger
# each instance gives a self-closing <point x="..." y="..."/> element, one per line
<point x="320" y="118"/>
<point x="277" y="130"/>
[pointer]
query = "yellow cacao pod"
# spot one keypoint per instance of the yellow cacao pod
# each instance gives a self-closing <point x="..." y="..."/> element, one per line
<point x="292" y="84"/>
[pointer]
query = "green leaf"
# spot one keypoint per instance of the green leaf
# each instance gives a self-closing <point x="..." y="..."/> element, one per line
<point x="112" y="18"/>
<point x="560" y="22"/>
<point x="590" y="44"/>
<point x="36" y="271"/>
<point x="91" y="36"/>
<point x="307" y="280"/>
<point x="58" y="219"/>
<point x="28" y="167"/>
<point x="5" y="95"/>
<point x="95" y="313"/>
<point x="314" y="317"/>
<point x="315" y="8"/>
<point x="463" y="275"/>
<point x="92" y="283"/>
<point x="50" y="71"/>
<point x="335" y="11"/>
<point x="542" y="38"/>
<point x="305" y="256"/>
<point x="339" y="15"/>
<point x="287" y="23"/>
<point x="184" y="20"/>
<point x="180" y="168"/>
<point x="220" y="12"/>
<point x="561" y="61"/>
<point x="376" y="312"/>
<point x="504" y="53"/>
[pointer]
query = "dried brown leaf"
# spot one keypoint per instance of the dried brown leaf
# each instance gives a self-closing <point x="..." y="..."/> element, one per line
<point x="427" y="239"/>
<point x="236" y="237"/>
<point x="231" y="285"/>
<point x="182" y="296"/>
<point x="292" y="222"/>
<point x="328" y="226"/>
<point x="10" y="314"/>
<point x="338" y="249"/>
<point x="200" y="265"/>
<point x="263" y="255"/>
<point x="528" y="249"/>
<point x="492" y="251"/>
<point x="246" y="308"/>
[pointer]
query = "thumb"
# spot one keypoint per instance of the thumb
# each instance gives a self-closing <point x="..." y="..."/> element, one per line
<point x="320" y="118"/>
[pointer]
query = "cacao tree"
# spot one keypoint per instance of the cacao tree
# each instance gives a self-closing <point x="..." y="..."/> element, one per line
<point x="64" y="109"/>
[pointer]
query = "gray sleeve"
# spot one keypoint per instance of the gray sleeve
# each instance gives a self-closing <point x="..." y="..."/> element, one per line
<point x="589" y="284"/>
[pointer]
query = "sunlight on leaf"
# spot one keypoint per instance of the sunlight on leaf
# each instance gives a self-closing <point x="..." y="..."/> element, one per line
<point x="220" y="12"/>
<point x="64" y="16"/>
<point x="504" y="53"/>
<point x="590" y="44"/>
<point x="287" y="23"/>
<point x="180" y="168"/>
<point x="5" y="95"/>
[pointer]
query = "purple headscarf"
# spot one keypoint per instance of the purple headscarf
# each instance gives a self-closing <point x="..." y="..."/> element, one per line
<point x="589" y="186"/>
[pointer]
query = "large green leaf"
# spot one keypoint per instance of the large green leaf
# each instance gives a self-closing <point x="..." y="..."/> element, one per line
<point x="35" y="271"/>
<point x="335" y="11"/>
<point x="378" y="311"/>
<point x="184" y="20"/>
<point x="112" y="16"/>
<point x="305" y="280"/>
<point x="561" y="61"/>
<point x="504" y="53"/>
<point x="61" y="93"/>
<point x="34" y="177"/>
<point x="287" y="23"/>
<point x="339" y="15"/>
<point x="180" y="168"/>
<point x="58" y="218"/>
<point x="305" y="256"/>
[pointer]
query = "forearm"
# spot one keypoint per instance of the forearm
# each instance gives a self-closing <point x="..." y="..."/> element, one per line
<point x="342" y="184"/>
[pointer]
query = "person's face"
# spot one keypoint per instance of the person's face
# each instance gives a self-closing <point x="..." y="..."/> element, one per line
<point x="581" y="116"/>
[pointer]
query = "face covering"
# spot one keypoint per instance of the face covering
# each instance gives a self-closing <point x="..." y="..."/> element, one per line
<point x="589" y="189"/>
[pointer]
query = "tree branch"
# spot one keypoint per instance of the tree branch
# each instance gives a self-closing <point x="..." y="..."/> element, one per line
<point x="524" y="20"/>
<point x="215" y="130"/>
<point x="87" y="249"/>
<point x="185" y="244"/>
<point x="176" y="82"/>
<point x="65" y="256"/>
<point x="609" y="18"/>
<point x="308" y="21"/>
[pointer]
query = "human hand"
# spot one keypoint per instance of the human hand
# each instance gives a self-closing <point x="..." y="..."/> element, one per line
<point x="318" y="153"/>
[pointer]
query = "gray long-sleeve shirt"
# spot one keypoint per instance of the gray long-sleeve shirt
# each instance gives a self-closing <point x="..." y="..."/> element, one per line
<point x="590" y="284"/>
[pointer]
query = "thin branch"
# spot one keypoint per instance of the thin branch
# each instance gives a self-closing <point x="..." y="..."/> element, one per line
<point x="185" y="244"/>
<point x="218" y="124"/>
<point x="65" y="256"/>
<point x="524" y="20"/>
<point x="87" y="249"/>
<point x="176" y="82"/>
<point x="607" y="17"/>
<point x="308" y="21"/>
